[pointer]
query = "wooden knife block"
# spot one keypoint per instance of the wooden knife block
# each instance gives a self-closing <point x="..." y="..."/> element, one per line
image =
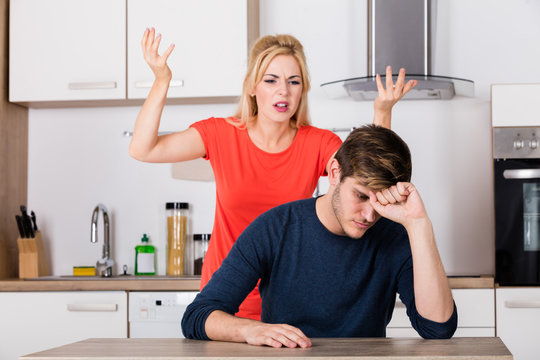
<point x="32" y="260"/>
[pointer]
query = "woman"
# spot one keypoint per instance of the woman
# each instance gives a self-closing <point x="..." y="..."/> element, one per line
<point x="264" y="156"/>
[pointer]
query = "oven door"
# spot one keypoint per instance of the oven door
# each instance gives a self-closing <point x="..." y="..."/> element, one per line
<point x="517" y="221"/>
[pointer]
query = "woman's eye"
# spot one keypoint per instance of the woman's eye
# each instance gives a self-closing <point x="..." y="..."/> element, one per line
<point x="270" y="81"/>
<point x="294" y="82"/>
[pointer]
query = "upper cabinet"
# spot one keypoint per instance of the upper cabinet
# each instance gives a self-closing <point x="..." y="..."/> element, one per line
<point x="211" y="42"/>
<point x="66" y="52"/>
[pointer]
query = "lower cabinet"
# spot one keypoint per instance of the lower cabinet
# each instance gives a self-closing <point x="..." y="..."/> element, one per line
<point x="476" y="315"/>
<point x="35" y="321"/>
<point x="518" y="321"/>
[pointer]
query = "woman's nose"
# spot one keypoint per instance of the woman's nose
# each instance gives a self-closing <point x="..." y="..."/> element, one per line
<point x="284" y="88"/>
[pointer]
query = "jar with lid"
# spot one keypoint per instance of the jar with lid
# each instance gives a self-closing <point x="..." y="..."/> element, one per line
<point x="200" y="246"/>
<point x="177" y="223"/>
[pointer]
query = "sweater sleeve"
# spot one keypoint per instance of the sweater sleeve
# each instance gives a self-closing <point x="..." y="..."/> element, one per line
<point x="232" y="282"/>
<point x="426" y="328"/>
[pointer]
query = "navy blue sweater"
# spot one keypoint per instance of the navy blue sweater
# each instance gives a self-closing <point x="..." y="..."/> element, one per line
<point x="324" y="284"/>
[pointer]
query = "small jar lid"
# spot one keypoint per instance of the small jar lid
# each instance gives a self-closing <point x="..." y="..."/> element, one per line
<point x="200" y="237"/>
<point x="177" y="205"/>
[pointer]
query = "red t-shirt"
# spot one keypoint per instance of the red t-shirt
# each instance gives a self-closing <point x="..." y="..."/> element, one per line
<point x="250" y="181"/>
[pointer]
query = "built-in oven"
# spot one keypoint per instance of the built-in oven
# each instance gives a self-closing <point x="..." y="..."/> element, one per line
<point x="516" y="153"/>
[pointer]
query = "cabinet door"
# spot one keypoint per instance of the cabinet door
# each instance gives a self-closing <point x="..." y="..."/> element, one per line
<point x="518" y="321"/>
<point x="476" y="315"/>
<point x="67" y="50"/>
<point x="512" y="105"/>
<point x="210" y="54"/>
<point x="35" y="321"/>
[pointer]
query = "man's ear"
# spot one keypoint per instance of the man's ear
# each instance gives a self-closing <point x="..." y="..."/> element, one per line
<point x="334" y="176"/>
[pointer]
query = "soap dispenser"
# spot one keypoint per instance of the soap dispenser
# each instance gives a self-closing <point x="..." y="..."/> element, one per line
<point x="145" y="258"/>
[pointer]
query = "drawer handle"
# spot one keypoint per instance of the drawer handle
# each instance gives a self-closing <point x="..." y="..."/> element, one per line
<point x="148" y="84"/>
<point x="92" y="307"/>
<point x="92" y="85"/>
<point x="399" y="305"/>
<point x="522" y="304"/>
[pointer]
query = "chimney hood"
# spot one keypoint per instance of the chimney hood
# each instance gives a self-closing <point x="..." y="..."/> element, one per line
<point x="399" y="34"/>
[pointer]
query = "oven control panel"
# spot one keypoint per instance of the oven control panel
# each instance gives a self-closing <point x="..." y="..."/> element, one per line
<point x="516" y="143"/>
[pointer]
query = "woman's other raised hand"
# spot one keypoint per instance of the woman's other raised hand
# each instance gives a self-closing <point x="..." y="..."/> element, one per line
<point x="390" y="96"/>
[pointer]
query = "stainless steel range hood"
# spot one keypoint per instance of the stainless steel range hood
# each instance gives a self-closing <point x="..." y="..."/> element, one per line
<point x="399" y="34"/>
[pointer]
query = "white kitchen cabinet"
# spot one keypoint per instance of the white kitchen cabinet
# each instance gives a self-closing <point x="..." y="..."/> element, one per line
<point x="514" y="105"/>
<point x="476" y="315"/>
<point x="211" y="46"/>
<point x="518" y="321"/>
<point x="65" y="50"/>
<point x="35" y="321"/>
<point x="90" y="50"/>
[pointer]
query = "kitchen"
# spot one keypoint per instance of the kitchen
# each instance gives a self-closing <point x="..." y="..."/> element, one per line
<point x="78" y="156"/>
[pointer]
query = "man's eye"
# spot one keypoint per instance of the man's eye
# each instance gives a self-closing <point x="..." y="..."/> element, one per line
<point x="362" y="197"/>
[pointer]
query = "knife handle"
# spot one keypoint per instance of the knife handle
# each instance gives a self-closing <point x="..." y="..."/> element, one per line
<point x="22" y="233"/>
<point x="33" y="216"/>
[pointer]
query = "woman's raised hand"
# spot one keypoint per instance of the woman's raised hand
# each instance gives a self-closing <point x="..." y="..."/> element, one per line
<point x="158" y="63"/>
<point x="390" y="96"/>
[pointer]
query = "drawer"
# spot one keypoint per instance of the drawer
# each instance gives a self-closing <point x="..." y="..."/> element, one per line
<point x="476" y="309"/>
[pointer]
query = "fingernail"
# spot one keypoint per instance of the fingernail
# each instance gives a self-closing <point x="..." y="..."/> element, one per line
<point x="388" y="67"/>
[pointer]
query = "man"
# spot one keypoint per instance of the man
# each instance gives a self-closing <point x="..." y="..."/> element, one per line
<point x="331" y="266"/>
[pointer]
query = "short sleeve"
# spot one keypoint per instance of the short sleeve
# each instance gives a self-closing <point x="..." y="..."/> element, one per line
<point x="207" y="130"/>
<point x="330" y="143"/>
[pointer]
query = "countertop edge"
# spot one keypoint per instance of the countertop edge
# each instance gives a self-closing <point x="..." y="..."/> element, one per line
<point x="188" y="284"/>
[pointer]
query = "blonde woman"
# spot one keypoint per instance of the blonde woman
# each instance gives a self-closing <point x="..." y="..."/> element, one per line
<point x="265" y="155"/>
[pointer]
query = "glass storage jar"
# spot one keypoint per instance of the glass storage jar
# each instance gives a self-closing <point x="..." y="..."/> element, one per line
<point x="177" y="223"/>
<point x="200" y="245"/>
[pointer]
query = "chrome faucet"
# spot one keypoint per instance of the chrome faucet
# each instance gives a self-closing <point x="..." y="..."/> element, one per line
<point x="105" y="264"/>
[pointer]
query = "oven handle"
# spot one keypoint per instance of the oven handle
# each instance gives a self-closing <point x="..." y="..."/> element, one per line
<point x="521" y="174"/>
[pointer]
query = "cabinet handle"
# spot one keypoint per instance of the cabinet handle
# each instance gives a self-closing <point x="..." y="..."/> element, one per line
<point x="148" y="84"/>
<point x="399" y="305"/>
<point x="92" y="307"/>
<point x="522" y="304"/>
<point x="92" y="85"/>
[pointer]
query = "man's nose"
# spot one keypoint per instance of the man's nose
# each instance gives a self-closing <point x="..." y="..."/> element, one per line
<point x="369" y="213"/>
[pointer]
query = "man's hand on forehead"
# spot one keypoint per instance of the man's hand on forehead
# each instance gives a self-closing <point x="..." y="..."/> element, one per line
<point x="400" y="203"/>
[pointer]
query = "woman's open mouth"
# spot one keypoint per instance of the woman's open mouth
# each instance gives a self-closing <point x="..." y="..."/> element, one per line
<point x="281" y="106"/>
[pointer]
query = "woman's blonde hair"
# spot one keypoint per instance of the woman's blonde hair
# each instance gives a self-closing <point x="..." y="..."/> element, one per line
<point x="262" y="53"/>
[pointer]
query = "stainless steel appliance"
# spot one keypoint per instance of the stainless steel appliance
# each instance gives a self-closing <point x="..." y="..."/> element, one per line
<point x="400" y="35"/>
<point x="516" y="153"/>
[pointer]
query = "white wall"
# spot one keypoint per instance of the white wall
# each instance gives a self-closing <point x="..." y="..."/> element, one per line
<point x="78" y="157"/>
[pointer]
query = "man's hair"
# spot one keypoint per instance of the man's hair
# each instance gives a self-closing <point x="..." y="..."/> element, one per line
<point x="376" y="156"/>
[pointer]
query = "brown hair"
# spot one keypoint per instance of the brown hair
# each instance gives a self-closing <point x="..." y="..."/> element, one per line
<point x="262" y="53"/>
<point x="377" y="156"/>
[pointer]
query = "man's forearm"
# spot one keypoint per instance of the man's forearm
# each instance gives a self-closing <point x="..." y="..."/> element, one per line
<point x="432" y="293"/>
<point x="225" y="327"/>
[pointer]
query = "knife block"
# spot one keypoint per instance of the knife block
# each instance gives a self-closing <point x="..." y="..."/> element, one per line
<point x="32" y="260"/>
